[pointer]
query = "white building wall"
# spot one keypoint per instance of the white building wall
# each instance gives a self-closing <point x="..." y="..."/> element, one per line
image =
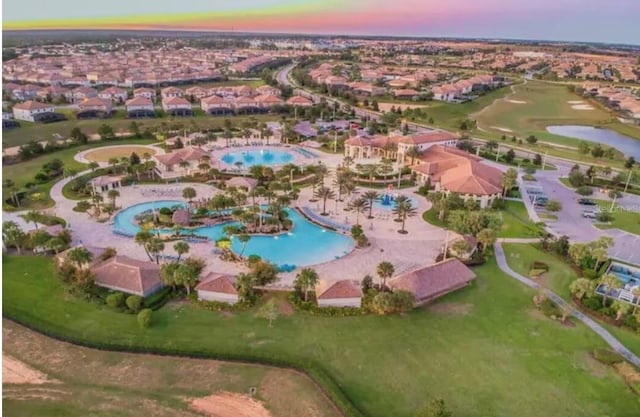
<point x="340" y="302"/>
<point x="217" y="296"/>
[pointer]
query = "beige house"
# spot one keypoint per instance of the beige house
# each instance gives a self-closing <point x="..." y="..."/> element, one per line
<point x="180" y="163"/>
<point x="343" y="293"/>
<point x="218" y="287"/>
<point x="127" y="275"/>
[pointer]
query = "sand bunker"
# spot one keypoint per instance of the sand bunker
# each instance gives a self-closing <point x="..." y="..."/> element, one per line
<point x="16" y="372"/>
<point x="226" y="404"/>
<point x="502" y="129"/>
<point x="582" y="107"/>
<point x="516" y="101"/>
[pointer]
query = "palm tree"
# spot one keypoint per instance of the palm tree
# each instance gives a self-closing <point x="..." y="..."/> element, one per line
<point x="509" y="180"/>
<point x="93" y="165"/>
<point x="621" y="308"/>
<point x="113" y="162"/>
<point x="97" y="199"/>
<point x="13" y="235"/>
<point x="246" y="134"/>
<point x="324" y="193"/>
<point x="143" y="238"/>
<point x="184" y="165"/>
<point x="155" y="247"/>
<point x="385" y="270"/>
<point x="189" y="193"/>
<point x="372" y="196"/>
<point x="168" y="274"/>
<point x="79" y="256"/>
<point x="439" y="202"/>
<point x="609" y="282"/>
<point x="487" y="237"/>
<point x="371" y="170"/>
<point x="244" y="239"/>
<point x="359" y="205"/>
<point x="32" y="217"/>
<point x="404" y="209"/>
<point x="181" y="248"/>
<point x="113" y="195"/>
<point x="347" y="162"/>
<point x="636" y="293"/>
<point x="307" y="279"/>
<point x="9" y="186"/>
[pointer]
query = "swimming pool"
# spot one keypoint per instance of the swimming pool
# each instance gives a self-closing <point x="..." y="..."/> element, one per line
<point x="306" y="244"/>
<point x="387" y="203"/>
<point x="253" y="157"/>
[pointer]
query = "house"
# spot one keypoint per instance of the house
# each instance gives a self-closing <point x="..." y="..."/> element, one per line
<point x="171" y="92"/>
<point x="343" y="293"/>
<point x="140" y="107"/>
<point x="115" y="94"/>
<point x="396" y="147"/>
<point x="197" y="92"/>
<point x="268" y="90"/>
<point x="216" y="105"/>
<point x="82" y="93"/>
<point x="406" y="94"/>
<point x="106" y="182"/>
<point x="180" y="163"/>
<point x="434" y="281"/>
<point x="148" y="93"/>
<point x="128" y="275"/>
<point x="445" y="92"/>
<point x="268" y="100"/>
<point x="96" y="255"/>
<point x="218" y="287"/>
<point x="299" y="101"/>
<point x="246" y="105"/>
<point x="32" y="111"/>
<point x="93" y="107"/>
<point x="451" y="170"/>
<point x="245" y="183"/>
<point x="177" y="106"/>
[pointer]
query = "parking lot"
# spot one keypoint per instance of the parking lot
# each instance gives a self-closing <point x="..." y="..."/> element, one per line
<point x="578" y="228"/>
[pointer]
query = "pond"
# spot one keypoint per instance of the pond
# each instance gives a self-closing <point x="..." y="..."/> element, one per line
<point x="625" y="144"/>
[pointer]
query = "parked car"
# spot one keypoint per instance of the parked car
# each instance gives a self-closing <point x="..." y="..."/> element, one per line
<point x="589" y="214"/>
<point x="586" y="202"/>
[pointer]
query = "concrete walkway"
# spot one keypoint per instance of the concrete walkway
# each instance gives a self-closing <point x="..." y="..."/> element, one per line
<point x="593" y="325"/>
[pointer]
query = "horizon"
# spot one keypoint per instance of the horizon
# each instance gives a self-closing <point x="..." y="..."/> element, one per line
<point x="458" y="19"/>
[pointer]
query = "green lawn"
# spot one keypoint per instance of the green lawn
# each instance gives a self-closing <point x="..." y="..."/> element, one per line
<point x="431" y="216"/>
<point x="626" y="220"/>
<point x="516" y="221"/>
<point x="560" y="275"/>
<point x="484" y="350"/>
<point x="547" y="104"/>
<point x="24" y="172"/>
<point x="43" y="132"/>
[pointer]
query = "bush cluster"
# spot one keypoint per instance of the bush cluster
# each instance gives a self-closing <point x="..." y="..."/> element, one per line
<point x="607" y="356"/>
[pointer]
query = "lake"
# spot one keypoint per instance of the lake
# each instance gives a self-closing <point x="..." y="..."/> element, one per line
<point x="625" y="144"/>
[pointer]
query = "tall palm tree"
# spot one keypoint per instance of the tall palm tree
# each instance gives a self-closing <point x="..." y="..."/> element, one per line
<point x="246" y="134"/>
<point x="610" y="282"/>
<point x="325" y="193"/>
<point x="372" y="196"/>
<point x="181" y="248"/>
<point x="97" y="199"/>
<point x="347" y="162"/>
<point x="371" y="170"/>
<point x="307" y="279"/>
<point x="168" y="274"/>
<point x="244" y="239"/>
<point x="404" y="209"/>
<point x="143" y="238"/>
<point x="32" y="217"/>
<point x="80" y="256"/>
<point x="155" y="247"/>
<point x="13" y="235"/>
<point x="359" y="206"/>
<point x="93" y="166"/>
<point x="10" y="187"/>
<point x="113" y="195"/>
<point x="385" y="270"/>
<point x="113" y="162"/>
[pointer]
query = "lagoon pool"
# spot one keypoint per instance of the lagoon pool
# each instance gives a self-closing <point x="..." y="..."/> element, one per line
<point x="268" y="157"/>
<point x="306" y="244"/>
<point x="625" y="144"/>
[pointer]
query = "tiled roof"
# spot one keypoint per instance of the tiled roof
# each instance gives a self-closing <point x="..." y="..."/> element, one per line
<point x="31" y="105"/>
<point x="185" y="154"/>
<point x="216" y="282"/>
<point x="126" y="274"/>
<point x="328" y="290"/>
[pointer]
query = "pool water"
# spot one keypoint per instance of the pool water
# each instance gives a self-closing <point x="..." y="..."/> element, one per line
<point x="388" y="203"/>
<point x="306" y="244"/>
<point x="258" y="157"/>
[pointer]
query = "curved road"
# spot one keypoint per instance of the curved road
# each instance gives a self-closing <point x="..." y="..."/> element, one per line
<point x="590" y="323"/>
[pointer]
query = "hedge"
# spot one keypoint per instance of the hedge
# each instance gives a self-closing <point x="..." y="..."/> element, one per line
<point x="158" y="298"/>
<point x="606" y="356"/>
<point x="310" y="368"/>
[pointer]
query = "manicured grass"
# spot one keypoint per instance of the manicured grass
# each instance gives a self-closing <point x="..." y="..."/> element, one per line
<point x="131" y="385"/>
<point x="44" y="132"/>
<point x="516" y="221"/>
<point x="547" y="104"/>
<point x="23" y="172"/>
<point x="431" y="216"/>
<point x="623" y="219"/>
<point x="496" y="358"/>
<point x="560" y="275"/>
<point x="103" y="155"/>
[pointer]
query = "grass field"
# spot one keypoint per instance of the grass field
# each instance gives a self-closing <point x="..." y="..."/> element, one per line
<point x="24" y="172"/>
<point x="111" y="383"/>
<point x="623" y="219"/>
<point x="43" y="132"/>
<point x="104" y="154"/>
<point x="546" y="104"/>
<point x="484" y="349"/>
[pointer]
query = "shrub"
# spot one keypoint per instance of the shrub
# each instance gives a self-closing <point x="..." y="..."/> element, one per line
<point x="584" y="190"/>
<point x="589" y="273"/>
<point x="144" y="318"/>
<point x="362" y="241"/>
<point x="115" y="300"/>
<point x="606" y="356"/>
<point x="536" y="272"/>
<point x="539" y="265"/>
<point x="615" y="194"/>
<point x="356" y="231"/>
<point x="592" y="303"/>
<point x="554" y="205"/>
<point x="550" y="309"/>
<point x="134" y="302"/>
<point x="166" y="211"/>
<point x="604" y="216"/>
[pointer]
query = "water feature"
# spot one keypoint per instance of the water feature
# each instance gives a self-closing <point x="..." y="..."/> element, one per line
<point x="387" y="202"/>
<point x="306" y="244"/>
<point x="625" y="144"/>
<point x="253" y="157"/>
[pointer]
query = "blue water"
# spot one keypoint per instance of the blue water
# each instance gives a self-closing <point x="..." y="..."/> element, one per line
<point x="625" y="144"/>
<point x="388" y="203"/>
<point x="625" y="273"/>
<point x="306" y="244"/>
<point x="266" y="157"/>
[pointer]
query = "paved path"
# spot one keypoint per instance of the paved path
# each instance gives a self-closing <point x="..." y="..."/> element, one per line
<point x="604" y="334"/>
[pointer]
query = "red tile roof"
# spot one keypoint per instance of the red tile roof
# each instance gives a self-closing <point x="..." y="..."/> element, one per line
<point x="216" y="282"/>
<point x="128" y="275"/>
<point x="328" y="290"/>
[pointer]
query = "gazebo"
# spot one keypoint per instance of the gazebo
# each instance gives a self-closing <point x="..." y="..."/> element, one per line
<point x="247" y="183"/>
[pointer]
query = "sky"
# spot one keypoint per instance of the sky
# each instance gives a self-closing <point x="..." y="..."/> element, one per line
<point x="570" y="20"/>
